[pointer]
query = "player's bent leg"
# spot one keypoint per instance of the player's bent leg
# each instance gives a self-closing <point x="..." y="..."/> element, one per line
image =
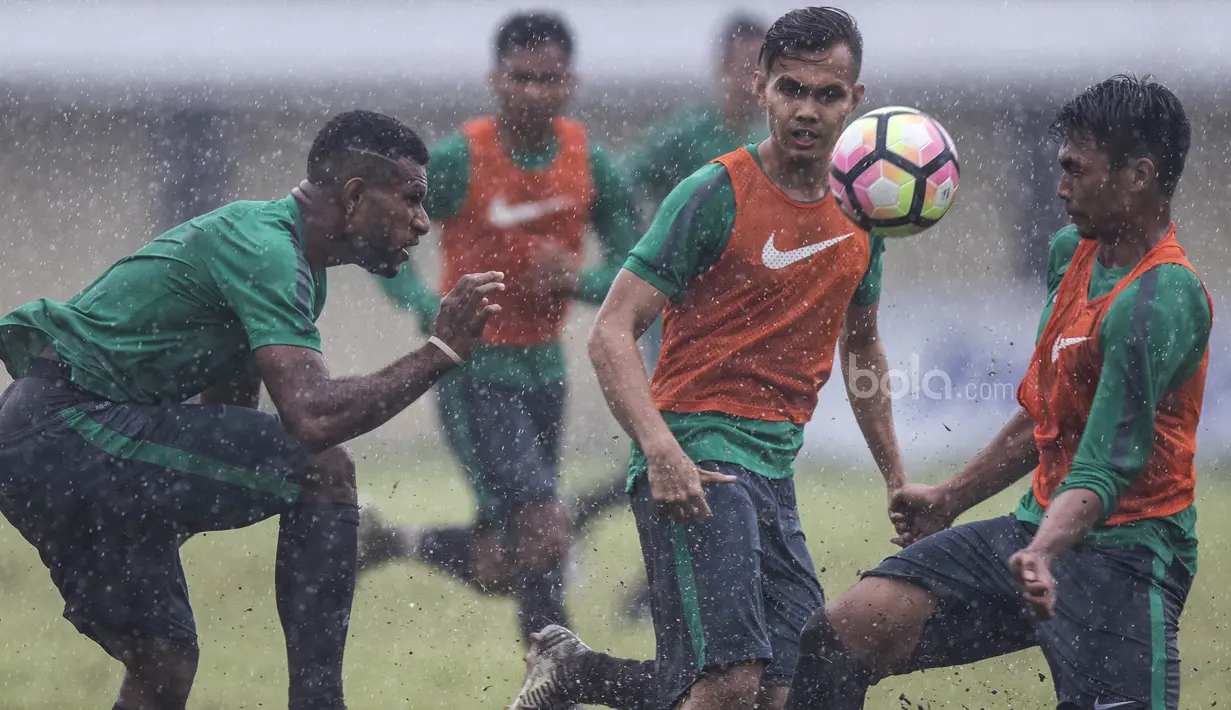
<point x="734" y="687"/>
<point x="314" y="579"/>
<point x="1113" y="642"/>
<point x="541" y="543"/>
<point x="561" y="672"/>
<point x="158" y="675"/>
<point x="872" y="630"/>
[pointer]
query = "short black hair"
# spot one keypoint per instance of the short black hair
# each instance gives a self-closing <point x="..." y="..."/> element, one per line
<point x="528" y="30"/>
<point x="1130" y="117"/>
<point x="811" y="29"/>
<point x="739" y="26"/>
<point x="354" y="135"/>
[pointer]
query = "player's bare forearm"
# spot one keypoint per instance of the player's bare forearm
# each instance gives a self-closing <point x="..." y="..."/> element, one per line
<point x="1010" y="455"/>
<point x="322" y="412"/>
<point x="1069" y="517"/>
<point x="861" y="349"/>
<point x="630" y="308"/>
<point x="243" y="391"/>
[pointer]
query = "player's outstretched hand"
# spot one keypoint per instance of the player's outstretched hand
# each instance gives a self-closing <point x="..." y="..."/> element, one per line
<point x="1032" y="570"/>
<point x="676" y="484"/>
<point x="465" y="310"/>
<point x="916" y="511"/>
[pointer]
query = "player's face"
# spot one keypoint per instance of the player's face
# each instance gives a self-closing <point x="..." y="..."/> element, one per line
<point x="385" y="219"/>
<point x="1096" y="196"/>
<point x="737" y="72"/>
<point x="532" y="85"/>
<point x="807" y="102"/>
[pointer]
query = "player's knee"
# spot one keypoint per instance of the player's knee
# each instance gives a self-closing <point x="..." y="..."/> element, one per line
<point x="159" y="674"/>
<point x="731" y="686"/>
<point x="331" y="477"/>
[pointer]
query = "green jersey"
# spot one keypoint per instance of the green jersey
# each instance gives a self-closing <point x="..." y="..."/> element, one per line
<point x="677" y="146"/>
<point x="688" y="236"/>
<point x="612" y="217"/>
<point x="1176" y="320"/>
<point x="183" y="313"/>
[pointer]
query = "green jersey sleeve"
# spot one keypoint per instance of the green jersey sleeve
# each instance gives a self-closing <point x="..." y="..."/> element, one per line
<point x="614" y="222"/>
<point x="1153" y="338"/>
<point x="869" y="289"/>
<point x="448" y="177"/>
<point x="265" y="280"/>
<point x="689" y="233"/>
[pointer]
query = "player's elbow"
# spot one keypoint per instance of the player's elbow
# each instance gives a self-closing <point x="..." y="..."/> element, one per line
<point x="315" y="432"/>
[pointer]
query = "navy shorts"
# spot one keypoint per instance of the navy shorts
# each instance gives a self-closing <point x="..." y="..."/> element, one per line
<point x="736" y="587"/>
<point x="507" y="441"/>
<point x="107" y="492"/>
<point x="1112" y="642"/>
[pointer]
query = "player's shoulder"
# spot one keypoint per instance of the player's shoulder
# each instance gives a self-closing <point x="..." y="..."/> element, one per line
<point x="251" y="225"/>
<point x="1165" y="293"/>
<point x="450" y="148"/>
<point x="708" y="187"/>
<point x="1063" y="246"/>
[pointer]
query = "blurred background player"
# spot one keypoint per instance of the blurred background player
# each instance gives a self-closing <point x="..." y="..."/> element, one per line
<point x="107" y="473"/>
<point x="1102" y="549"/>
<point x="761" y="277"/>
<point x="517" y="190"/>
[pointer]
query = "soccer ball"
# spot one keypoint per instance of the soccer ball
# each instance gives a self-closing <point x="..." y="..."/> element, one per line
<point x="894" y="171"/>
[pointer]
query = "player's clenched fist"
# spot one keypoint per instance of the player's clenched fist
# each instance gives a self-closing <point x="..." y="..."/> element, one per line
<point x="465" y="310"/>
<point x="1032" y="570"/>
<point x="917" y="511"/>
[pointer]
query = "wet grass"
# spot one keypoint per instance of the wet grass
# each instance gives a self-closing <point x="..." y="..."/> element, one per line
<point x="419" y="640"/>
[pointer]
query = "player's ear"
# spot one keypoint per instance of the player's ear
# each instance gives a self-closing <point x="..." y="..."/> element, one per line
<point x="1142" y="172"/>
<point x="352" y="195"/>
<point x="760" y="85"/>
<point x="857" y="95"/>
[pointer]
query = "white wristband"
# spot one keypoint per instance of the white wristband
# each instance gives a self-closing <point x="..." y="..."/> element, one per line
<point x="457" y="359"/>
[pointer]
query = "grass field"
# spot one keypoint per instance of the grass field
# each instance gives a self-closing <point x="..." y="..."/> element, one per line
<point x="419" y="640"/>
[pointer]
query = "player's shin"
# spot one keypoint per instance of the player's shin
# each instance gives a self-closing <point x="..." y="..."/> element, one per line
<point x="828" y="676"/>
<point x="315" y="585"/>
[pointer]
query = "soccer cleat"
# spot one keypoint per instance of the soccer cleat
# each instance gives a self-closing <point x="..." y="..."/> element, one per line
<point x="551" y="665"/>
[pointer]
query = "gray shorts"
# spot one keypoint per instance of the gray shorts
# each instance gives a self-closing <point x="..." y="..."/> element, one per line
<point x="1112" y="642"/>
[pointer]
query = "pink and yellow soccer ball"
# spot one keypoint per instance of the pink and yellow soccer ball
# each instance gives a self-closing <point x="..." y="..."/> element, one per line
<point x="894" y="171"/>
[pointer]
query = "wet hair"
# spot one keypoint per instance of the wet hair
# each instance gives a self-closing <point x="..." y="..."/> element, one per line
<point x="738" y="27"/>
<point x="1127" y="117"/>
<point x="529" y="30"/>
<point x="357" y="136"/>
<point x="808" y="30"/>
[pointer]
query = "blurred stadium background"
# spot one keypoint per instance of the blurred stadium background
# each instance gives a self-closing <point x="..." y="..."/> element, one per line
<point x="119" y="119"/>
<point x="122" y="118"/>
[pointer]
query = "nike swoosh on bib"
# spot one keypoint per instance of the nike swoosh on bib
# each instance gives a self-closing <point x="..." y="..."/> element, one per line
<point x="1062" y="343"/>
<point x="774" y="259"/>
<point x="502" y="215"/>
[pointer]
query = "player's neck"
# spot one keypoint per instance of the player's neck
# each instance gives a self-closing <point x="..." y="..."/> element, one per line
<point x="800" y="181"/>
<point x="1130" y="245"/>
<point x="535" y="138"/>
<point x="319" y="216"/>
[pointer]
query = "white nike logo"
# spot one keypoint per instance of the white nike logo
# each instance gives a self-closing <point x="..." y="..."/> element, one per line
<point x="775" y="259"/>
<point x="1062" y="343"/>
<point x="1100" y="705"/>
<point x="502" y="215"/>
